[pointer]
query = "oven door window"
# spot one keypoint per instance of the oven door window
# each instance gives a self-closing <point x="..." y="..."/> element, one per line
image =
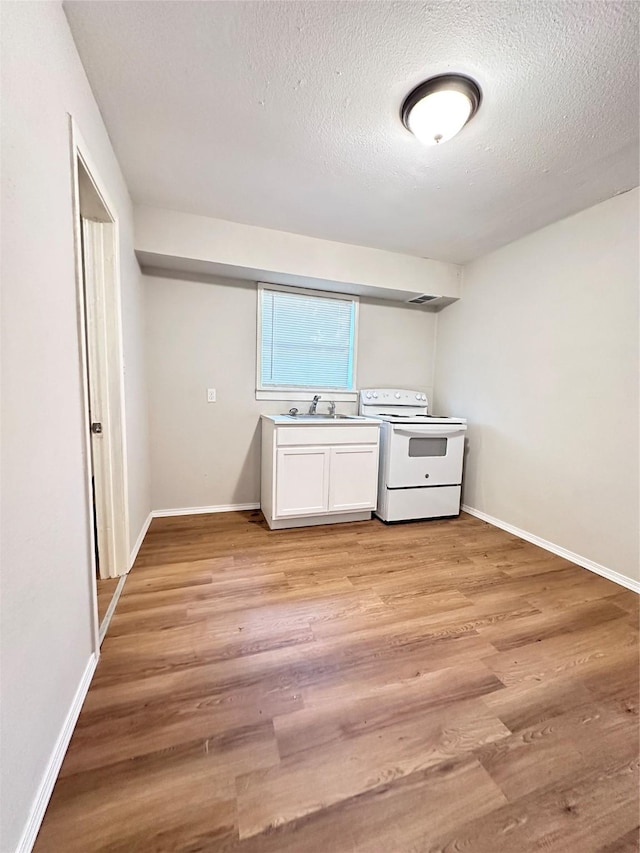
<point x="427" y="446"/>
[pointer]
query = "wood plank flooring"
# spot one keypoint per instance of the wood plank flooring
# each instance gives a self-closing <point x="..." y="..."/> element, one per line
<point x="106" y="589"/>
<point x="360" y="688"/>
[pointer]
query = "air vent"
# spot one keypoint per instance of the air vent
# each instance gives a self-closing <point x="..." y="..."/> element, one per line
<point x="420" y="300"/>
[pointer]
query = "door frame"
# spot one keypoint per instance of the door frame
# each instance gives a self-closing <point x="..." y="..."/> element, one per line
<point x="116" y="513"/>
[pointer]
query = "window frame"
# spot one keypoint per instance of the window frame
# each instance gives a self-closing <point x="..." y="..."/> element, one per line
<point x="302" y="393"/>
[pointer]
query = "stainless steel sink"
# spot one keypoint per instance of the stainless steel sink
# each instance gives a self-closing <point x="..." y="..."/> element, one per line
<point x="320" y="416"/>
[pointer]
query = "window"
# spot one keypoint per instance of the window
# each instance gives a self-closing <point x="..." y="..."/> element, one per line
<point x="306" y="342"/>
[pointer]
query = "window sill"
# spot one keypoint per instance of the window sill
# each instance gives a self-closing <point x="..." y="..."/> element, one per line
<point x="307" y="396"/>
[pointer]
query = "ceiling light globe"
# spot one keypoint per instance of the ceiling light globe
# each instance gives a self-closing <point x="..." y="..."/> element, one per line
<point x="440" y="107"/>
<point x="439" y="116"/>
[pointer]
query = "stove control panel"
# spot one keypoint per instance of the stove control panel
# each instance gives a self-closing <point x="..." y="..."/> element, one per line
<point x="392" y="396"/>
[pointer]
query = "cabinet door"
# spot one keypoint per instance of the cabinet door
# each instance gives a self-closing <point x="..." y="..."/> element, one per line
<point x="353" y="478"/>
<point x="302" y="481"/>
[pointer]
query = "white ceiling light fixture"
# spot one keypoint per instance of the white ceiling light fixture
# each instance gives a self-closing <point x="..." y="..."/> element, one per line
<point x="440" y="107"/>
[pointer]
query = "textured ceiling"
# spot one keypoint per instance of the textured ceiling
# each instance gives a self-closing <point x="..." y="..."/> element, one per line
<point x="285" y="114"/>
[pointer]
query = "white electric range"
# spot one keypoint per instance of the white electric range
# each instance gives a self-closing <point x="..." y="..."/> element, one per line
<point x="421" y="455"/>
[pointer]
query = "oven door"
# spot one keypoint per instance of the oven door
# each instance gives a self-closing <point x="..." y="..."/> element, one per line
<point x="425" y="456"/>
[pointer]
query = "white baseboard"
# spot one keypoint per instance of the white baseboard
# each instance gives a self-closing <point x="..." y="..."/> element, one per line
<point x="585" y="563"/>
<point x="45" y="789"/>
<point x="202" y="510"/>
<point x="139" y="540"/>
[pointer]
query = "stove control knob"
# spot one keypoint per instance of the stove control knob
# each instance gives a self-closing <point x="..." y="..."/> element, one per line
<point x="418" y="396"/>
<point x="368" y="395"/>
<point x="375" y="395"/>
<point x="424" y="396"/>
<point x="397" y="395"/>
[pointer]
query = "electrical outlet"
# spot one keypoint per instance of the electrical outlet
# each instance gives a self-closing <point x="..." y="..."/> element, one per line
<point x="211" y="395"/>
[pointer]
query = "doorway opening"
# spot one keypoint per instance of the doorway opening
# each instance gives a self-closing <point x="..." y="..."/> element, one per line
<point x="97" y="262"/>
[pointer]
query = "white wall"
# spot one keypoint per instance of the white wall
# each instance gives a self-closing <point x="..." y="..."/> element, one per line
<point x="541" y="355"/>
<point x="202" y="335"/>
<point x="46" y="607"/>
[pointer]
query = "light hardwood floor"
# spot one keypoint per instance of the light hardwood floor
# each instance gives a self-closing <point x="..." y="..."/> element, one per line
<point x="435" y="686"/>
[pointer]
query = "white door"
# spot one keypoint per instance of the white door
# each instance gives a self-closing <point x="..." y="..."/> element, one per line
<point x="105" y="399"/>
<point x="302" y="481"/>
<point x="353" y="478"/>
<point x="96" y="233"/>
<point x="425" y="455"/>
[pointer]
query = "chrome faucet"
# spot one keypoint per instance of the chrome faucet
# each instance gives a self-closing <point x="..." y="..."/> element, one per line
<point x="332" y="407"/>
<point x="314" y="405"/>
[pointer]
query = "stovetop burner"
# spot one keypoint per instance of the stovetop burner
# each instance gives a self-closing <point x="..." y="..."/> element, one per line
<point x="409" y="417"/>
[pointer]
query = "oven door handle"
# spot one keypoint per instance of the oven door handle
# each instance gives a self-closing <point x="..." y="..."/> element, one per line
<point x="441" y="433"/>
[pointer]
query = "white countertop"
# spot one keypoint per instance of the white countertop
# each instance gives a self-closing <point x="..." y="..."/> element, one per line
<point x="349" y="420"/>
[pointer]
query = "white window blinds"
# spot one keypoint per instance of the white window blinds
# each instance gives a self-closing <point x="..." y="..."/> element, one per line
<point x="306" y="341"/>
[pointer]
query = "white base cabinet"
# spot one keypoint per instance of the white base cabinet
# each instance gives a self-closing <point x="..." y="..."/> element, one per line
<point x="302" y="480"/>
<point x="352" y="471"/>
<point x="318" y="474"/>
